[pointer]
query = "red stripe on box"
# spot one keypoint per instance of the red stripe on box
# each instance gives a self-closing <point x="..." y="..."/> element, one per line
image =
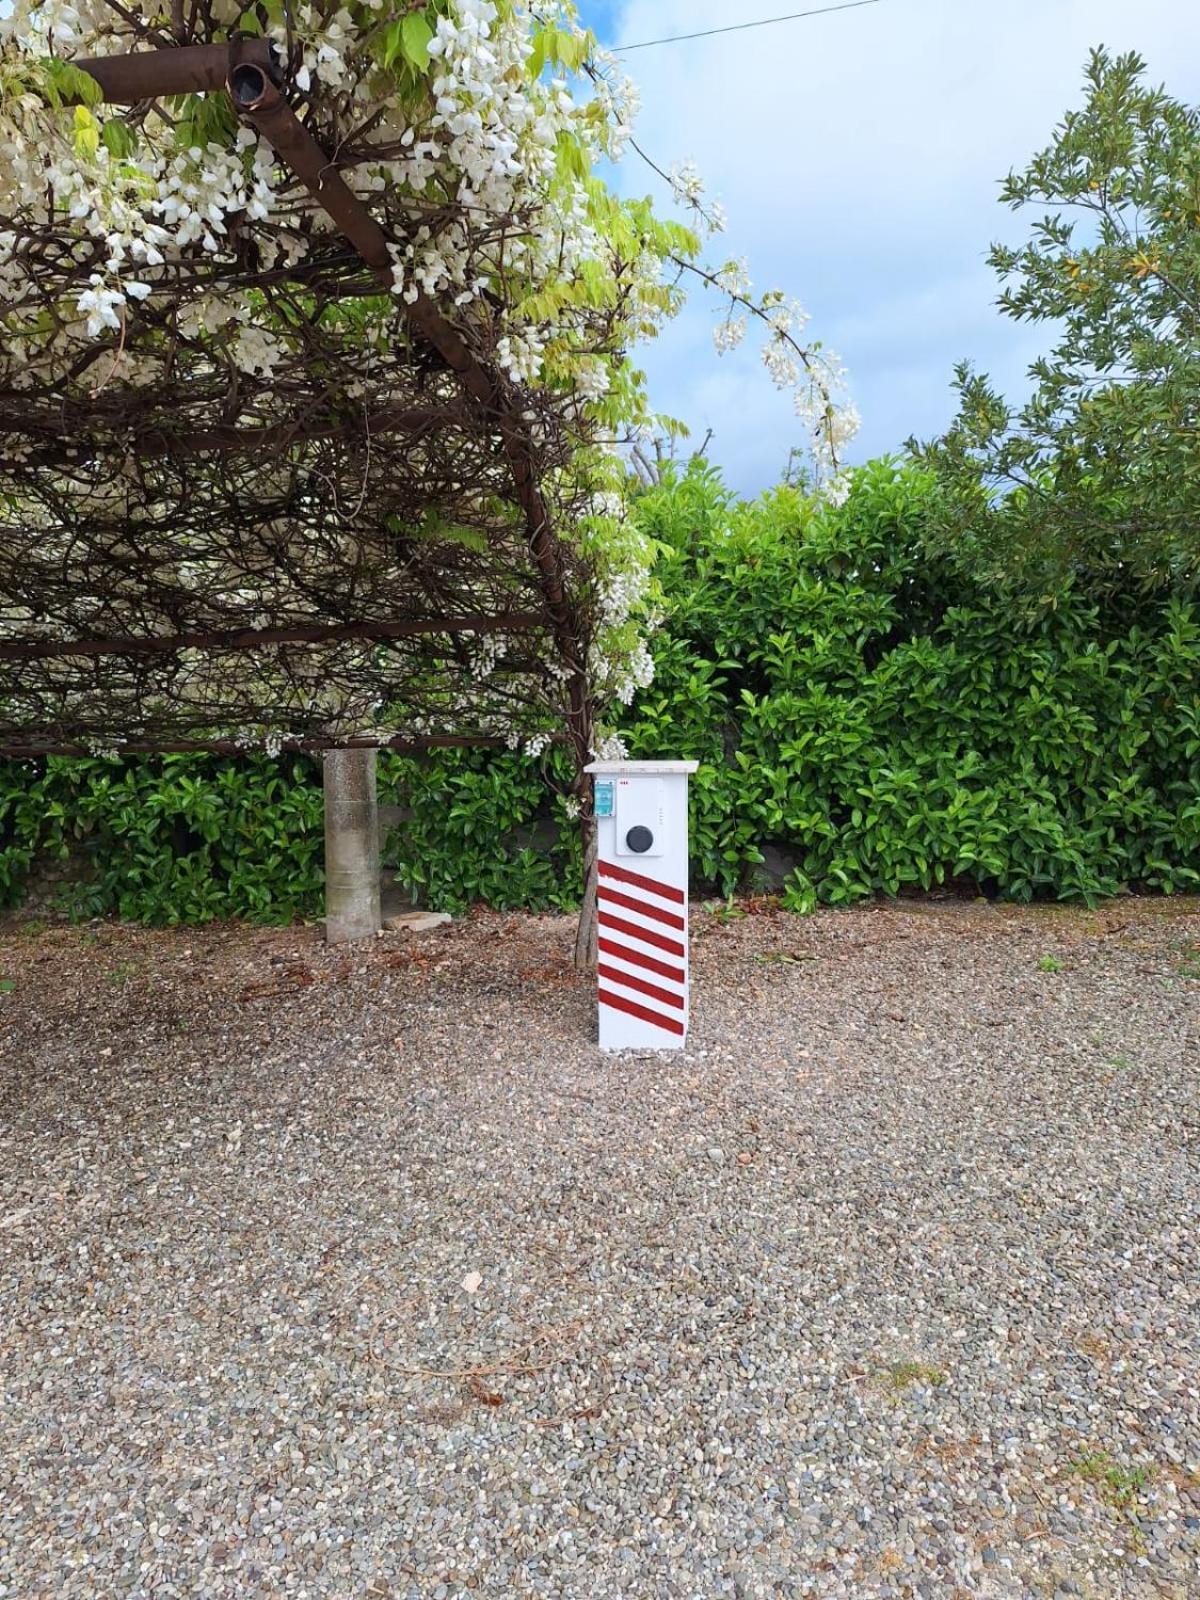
<point x="655" y="913"/>
<point x="631" y="1008"/>
<point x="635" y="880"/>
<point x="630" y="930"/>
<point x="637" y="959"/>
<point x="626" y="980"/>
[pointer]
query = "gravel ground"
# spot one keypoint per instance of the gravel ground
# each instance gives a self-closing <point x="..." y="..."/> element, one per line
<point x="363" y="1275"/>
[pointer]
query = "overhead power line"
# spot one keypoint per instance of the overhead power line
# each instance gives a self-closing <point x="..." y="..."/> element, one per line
<point x="741" y="27"/>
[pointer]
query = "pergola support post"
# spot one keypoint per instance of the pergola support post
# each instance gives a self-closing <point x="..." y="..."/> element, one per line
<point x="351" y="846"/>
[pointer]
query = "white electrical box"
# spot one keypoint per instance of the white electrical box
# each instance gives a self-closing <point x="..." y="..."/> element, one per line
<point x="643" y="987"/>
<point x="641" y="816"/>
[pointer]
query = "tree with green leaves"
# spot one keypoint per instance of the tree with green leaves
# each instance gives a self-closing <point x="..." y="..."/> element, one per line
<point x="1095" y="479"/>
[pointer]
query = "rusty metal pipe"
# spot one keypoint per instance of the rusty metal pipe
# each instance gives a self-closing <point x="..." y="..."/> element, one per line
<point x="185" y="69"/>
<point x="258" y="100"/>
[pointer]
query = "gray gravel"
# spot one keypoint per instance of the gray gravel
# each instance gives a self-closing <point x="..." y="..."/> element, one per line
<point x="888" y="1286"/>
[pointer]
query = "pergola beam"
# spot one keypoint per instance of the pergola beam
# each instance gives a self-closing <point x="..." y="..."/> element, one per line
<point x="127" y="80"/>
<point x="257" y="638"/>
<point x="403" y="744"/>
<point x="257" y="99"/>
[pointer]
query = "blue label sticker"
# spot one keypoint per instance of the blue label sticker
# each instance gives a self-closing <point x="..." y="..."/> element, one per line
<point x="604" y="799"/>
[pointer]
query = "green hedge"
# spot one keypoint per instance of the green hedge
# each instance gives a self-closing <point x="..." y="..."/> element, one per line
<point x="181" y="839"/>
<point x="874" y="711"/>
<point x="483" y="827"/>
<point x="864" y="707"/>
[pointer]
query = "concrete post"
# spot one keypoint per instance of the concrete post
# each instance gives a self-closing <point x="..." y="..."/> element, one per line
<point x="351" y="846"/>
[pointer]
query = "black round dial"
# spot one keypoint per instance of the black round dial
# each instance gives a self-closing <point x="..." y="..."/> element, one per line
<point x="639" y="840"/>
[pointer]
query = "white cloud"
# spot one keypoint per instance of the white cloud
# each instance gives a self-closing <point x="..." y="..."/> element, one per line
<point x="858" y="155"/>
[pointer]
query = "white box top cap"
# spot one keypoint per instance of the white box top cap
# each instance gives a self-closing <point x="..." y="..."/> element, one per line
<point x="663" y="768"/>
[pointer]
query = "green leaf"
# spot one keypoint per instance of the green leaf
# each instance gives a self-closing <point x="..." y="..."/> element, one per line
<point x="119" y="139"/>
<point x="416" y="35"/>
<point x="86" y="133"/>
<point x="65" y="84"/>
<point x="434" y="526"/>
<point x="541" y="51"/>
<point x="574" y="49"/>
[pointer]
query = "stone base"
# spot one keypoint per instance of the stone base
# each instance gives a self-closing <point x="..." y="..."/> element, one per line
<point x="417" y="921"/>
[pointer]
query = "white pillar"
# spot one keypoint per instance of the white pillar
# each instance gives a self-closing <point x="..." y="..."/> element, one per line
<point x="642" y="895"/>
<point x="351" y="846"/>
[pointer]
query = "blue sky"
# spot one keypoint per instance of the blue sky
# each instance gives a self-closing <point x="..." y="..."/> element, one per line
<point x="858" y="156"/>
